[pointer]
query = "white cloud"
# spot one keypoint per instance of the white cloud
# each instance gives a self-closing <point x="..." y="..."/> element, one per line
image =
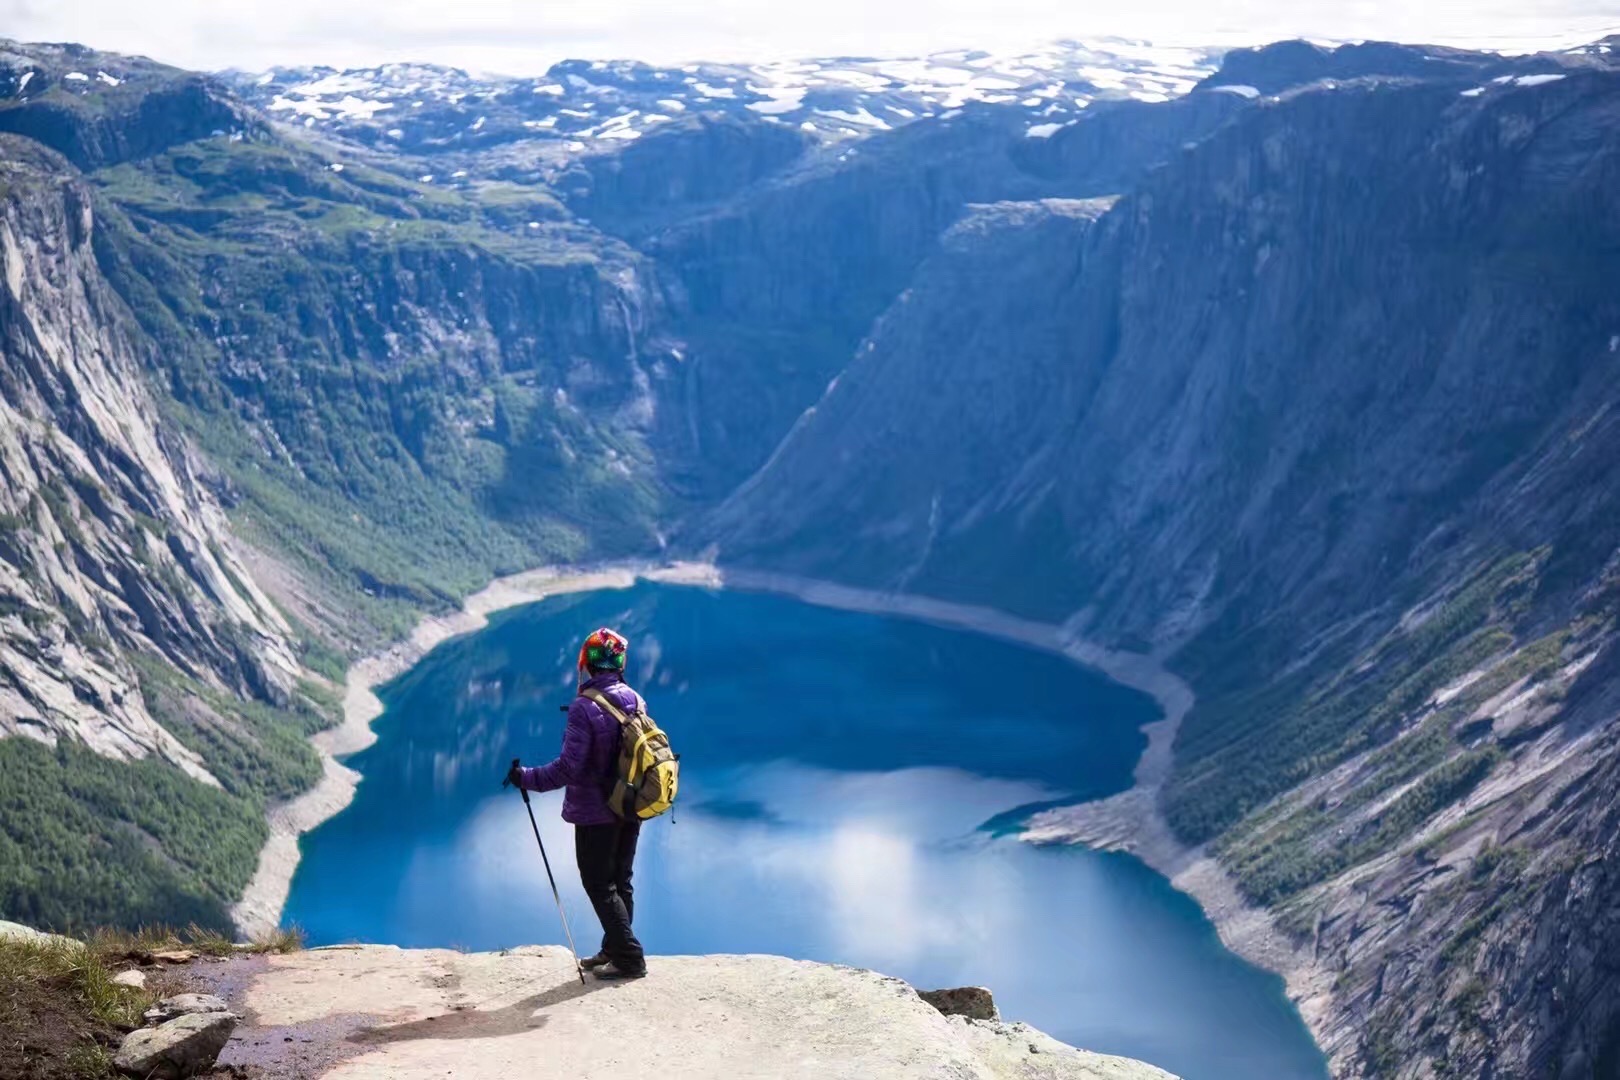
<point x="520" y="37"/>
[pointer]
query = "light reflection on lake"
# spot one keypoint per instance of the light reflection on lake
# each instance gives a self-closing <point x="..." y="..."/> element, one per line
<point x="800" y="831"/>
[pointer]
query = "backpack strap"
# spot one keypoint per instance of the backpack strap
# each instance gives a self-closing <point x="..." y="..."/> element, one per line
<point x="593" y="694"/>
<point x="607" y="704"/>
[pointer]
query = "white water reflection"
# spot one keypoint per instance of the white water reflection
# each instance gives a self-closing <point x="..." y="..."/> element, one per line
<point x="845" y="860"/>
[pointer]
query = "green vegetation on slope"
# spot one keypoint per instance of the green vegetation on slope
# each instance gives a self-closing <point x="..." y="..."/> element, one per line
<point x="1442" y="748"/>
<point x="257" y="751"/>
<point x="375" y="365"/>
<point x="401" y="390"/>
<point x="86" y="841"/>
<point x="1240" y="748"/>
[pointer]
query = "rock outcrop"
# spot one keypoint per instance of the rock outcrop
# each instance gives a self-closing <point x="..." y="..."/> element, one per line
<point x="172" y="1008"/>
<point x="377" y="1011"/>
<point x="185" y="1046"/>
<point x="973" y="1002"/>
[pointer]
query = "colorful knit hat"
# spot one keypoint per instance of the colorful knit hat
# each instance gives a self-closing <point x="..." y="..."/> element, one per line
<point x="604" y="650"/>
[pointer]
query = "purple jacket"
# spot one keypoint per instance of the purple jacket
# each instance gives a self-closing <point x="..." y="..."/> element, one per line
<point x="590" y="751"/>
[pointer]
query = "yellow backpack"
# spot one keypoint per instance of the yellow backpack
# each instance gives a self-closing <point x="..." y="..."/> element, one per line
<point x="649" y="772"/>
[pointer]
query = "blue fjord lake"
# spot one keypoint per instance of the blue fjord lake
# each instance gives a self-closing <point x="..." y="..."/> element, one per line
<point x="838" y="775"/>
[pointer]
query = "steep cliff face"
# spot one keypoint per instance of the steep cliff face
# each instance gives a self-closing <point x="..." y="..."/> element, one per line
<point x="151" y="686"/>
<point x="384" y="371"/>
<point x="1317" y="411"/>
<point x="110" y="543"/>
<point x="778" y="286"/>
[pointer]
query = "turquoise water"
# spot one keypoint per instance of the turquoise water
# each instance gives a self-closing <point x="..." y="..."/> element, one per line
<point x="838" y="770"/>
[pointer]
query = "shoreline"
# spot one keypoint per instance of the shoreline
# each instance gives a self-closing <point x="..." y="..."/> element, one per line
<point x="260" y="907"/>
<point x="1129" y="821"/>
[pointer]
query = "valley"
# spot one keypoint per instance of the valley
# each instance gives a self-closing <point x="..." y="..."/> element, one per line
<point x="1292" y="370"/>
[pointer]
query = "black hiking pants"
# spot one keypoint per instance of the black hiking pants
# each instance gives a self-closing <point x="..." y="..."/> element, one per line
<point x="607" y="856"/>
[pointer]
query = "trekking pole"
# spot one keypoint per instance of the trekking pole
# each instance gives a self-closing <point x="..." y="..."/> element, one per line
<point x="555" y="895"/>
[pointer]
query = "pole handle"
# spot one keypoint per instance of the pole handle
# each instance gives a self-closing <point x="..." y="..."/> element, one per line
<point x="521" y="789"/>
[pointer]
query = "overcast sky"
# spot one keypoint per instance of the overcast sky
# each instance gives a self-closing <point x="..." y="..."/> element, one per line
<point x="524" y="36"/>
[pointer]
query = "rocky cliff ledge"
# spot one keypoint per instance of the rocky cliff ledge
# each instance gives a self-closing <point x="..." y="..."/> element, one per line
<point x="380" y="1011"/>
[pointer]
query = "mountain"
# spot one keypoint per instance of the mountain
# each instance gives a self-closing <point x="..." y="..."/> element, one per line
<point x="445" y="113"/>
<point x="1297" y="373"/>
<point x="1315" y="412"/>
<point x="120" y="587"/>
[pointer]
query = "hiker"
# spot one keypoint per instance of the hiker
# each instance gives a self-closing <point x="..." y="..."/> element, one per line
<point x="604" y="844"/>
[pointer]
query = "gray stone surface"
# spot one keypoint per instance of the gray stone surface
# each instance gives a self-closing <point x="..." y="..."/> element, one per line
<point x="182" y="1047"/>
<point x="407" y="1014"/>
<point x="184" y="1005"/>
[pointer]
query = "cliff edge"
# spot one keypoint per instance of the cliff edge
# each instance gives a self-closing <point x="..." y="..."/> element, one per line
<point x="381" y="1011"/>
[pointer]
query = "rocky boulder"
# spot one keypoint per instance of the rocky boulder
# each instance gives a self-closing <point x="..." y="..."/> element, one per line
<point x="973" y="1002"/>
<point x="171" y="1008"/>
<point x="184" y="1046"/>
<point x="133" y="978"/>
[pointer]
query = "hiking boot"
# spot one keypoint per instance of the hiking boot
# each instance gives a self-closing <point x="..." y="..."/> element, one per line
<point x="591" y="963"/>
<point x="612" y="972"/>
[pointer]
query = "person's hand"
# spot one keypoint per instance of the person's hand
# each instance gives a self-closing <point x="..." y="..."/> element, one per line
<point x="514" y="776"/>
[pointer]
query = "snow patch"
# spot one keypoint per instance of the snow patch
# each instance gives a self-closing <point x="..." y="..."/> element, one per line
<point x="1239" y="89"/>
<point x="925" y="76"/>
<point x="714" y="91"/>
<point x="336" y="166"/>
<point x="1475" y="92"/>
<point x="781" y="99"/>
<point x="551" y="88"/>
<point x="1150" y="96"/>
<point x="1536" y="80"/>
<point x="340" y="83"/>
<point x="353" y="108"/>
<point x="76" y="76"/>
<point x="1103" y="78"/>
<point x="861" y="80"/>
<point x="672" y="104"/>
<point x="313" y="110"/>
<point x="108" y="79"/>
<point x="478" y="125"/>
<point x="27" y="77"/>
<point x="1042" y="131"/>
<point x="860" y="116"/>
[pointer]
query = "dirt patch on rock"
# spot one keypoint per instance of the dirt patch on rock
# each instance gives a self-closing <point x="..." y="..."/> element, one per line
<point x="46" y="1033"/>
